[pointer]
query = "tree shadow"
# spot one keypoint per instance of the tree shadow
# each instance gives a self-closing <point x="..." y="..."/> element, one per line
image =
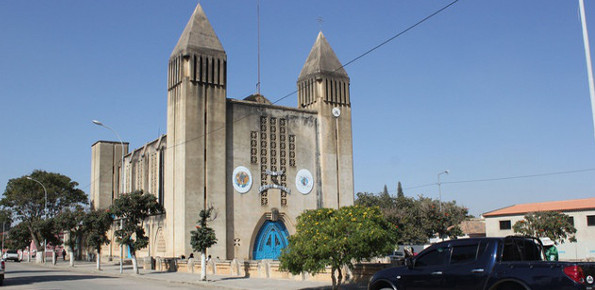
<point x="348" y="286"/>
<point x="29" y="277"/>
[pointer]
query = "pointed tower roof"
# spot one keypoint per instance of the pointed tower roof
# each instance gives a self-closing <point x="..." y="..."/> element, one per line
<point x="198" y="34"/>
<point x="322" y="60"/>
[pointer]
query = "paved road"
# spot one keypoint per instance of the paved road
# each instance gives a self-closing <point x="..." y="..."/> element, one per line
<point x="31" y="276"/>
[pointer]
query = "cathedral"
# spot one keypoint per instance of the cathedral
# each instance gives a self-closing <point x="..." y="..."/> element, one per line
<point x="259" y="165"/>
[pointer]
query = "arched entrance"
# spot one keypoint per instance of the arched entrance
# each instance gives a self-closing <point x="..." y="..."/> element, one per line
<point x="271" y="239"/>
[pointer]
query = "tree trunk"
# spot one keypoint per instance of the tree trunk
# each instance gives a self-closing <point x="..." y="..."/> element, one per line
<point x="37" y="244"/>
<point x="54" y="257"/>
<point x="134" y="263"/>
<point x="71" y="256"/>
<point x="334" y="279"/>
<point x="98" y="261"/>
<point x="203" y="266"/>
<point x="339" y="278"/>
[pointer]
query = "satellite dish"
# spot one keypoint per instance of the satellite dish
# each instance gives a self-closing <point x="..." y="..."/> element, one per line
<point x="336" y="112"/>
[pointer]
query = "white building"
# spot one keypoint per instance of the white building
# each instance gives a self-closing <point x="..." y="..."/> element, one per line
<point x="499" y="223"/>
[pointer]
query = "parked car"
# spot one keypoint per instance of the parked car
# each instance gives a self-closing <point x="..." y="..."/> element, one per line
<point x="510" y="263"/>
<point x="11" y="255"/>
<point x="397" y="257"/>
<point x="2" y="265"/>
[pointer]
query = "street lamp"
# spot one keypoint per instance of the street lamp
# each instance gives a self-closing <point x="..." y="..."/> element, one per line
<point x="121" y="183"/>
<point x="439" y="189"/>
<point x="45" y="211"/>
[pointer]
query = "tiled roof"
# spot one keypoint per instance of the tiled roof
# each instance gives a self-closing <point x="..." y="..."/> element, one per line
<point x="564" y="205"/>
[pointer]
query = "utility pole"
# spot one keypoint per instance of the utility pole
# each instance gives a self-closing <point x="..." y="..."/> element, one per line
<point x="588" y="58"/>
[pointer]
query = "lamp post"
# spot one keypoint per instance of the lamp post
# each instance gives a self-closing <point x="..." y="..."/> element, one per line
<point x="439" y="189"/>
<point x="121" y="183"/>
<point x="45" y="211"/>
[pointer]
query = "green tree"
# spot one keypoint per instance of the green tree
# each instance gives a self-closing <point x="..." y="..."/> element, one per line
<point x="400" y="193"/>
<point x="96" y="224"/>
<point x="552" y="224"/>
<point x="26" y="199"/>
<point x="417" y="220"/>
<point x="203" y="238"/>
<point x="336" y="238"/>
<point x="441" y="220"/>
<point x="70" y="221"/>
<point x="5" y="219"/>
<point x="19" y="237"/>
<point x="133" y="208"/>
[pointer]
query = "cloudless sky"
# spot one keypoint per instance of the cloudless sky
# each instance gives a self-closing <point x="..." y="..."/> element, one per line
<point x="485" y="89"/>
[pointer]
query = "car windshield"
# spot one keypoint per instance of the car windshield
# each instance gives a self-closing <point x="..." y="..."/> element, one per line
<point x="11" y="252"/>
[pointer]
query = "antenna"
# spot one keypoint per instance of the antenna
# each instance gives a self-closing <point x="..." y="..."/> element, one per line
<point x="258" y="45"/>
<point x="320" y="20"/>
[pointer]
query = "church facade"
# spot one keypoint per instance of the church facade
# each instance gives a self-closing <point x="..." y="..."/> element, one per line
<point x="257" y="164"/>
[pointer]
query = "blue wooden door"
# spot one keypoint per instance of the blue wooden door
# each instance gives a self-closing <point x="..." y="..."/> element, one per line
<point x="271" y="239"/>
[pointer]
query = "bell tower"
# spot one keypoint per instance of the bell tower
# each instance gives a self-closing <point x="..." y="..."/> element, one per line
<point x="323" y="86"/>
<point x="196" y="124"/>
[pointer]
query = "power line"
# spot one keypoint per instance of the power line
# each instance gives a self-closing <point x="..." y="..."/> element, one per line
<point x="384" y="42"/>
<point x="342" y="66"/>
<point x="504" y="178"/>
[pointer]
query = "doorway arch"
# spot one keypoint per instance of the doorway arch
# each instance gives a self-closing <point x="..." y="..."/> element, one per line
<point x="271" y="239"/>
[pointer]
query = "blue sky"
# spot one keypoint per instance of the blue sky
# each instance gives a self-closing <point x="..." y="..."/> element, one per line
<point x="486" y="89"/>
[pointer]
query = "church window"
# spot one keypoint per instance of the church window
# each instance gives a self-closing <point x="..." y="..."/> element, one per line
<point x="292" y="150"/>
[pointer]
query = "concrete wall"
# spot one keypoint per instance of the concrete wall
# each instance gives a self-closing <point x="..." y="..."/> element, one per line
<point x="106" y="158"/>
<point x="268" y="269"/>
<point x="248" y="211"/>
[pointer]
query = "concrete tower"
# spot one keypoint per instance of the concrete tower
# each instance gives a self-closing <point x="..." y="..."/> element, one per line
<point x="323" y="86"/>
<point x="196" y="123"/>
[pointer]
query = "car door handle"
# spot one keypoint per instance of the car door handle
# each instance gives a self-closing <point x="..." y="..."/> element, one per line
<point x="477" y="271"/>
<point x="437" y="273"/>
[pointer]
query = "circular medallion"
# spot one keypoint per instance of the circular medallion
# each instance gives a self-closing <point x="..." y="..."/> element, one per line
<point x="336" y="112"/>
<point x="304" y="181"/>
<point x="242" y="179"/>
<point x="590" y="279"/>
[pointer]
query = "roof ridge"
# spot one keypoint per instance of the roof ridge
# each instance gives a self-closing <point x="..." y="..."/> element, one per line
<point x="559" y="205"/>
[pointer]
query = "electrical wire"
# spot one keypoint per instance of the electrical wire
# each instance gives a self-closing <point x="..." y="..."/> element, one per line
<point x="504" y="178"/>
<point x="342" y="66"/>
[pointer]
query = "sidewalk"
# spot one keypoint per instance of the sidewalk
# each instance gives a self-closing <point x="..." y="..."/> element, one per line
<point x="213" y="281"/>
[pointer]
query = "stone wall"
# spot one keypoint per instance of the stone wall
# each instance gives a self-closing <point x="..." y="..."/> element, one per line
<point x="361" y="274"/>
